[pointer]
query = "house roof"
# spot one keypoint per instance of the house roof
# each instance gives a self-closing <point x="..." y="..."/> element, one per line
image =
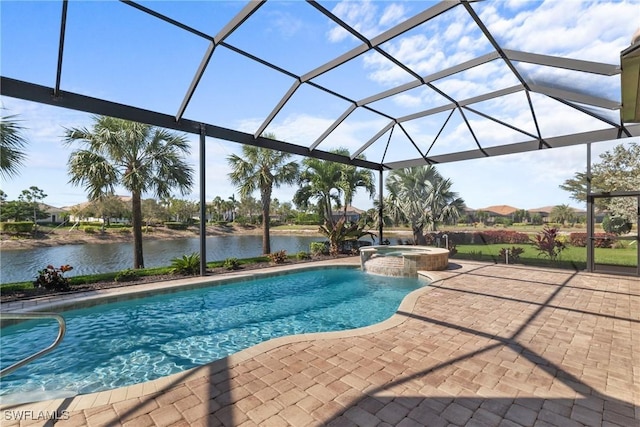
<point x="500" y="209"/>
<point x="84" y="205"/>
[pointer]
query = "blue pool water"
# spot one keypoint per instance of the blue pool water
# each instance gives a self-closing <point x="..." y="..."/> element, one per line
<point x="117" y="344"/>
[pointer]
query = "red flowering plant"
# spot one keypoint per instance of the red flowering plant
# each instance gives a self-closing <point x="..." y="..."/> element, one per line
<point x="548" y="243"/>
<point x="53" y="278"/>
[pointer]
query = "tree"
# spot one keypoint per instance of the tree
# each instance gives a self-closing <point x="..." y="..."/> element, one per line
<point x="153" y="212"/>
<point x="562" y="214"/>
<point x="109" y="206"/>
<point x="352" y="178"/>
<point x="319" y="181"/>
<point x="520" y="215"/>
<point x="329" y="183"/>
<point x="423" y="197"/>
<point x="12" y="143"/>
<point x="33" y="196"/>
<point x="618" y="170"/>
<point x="139" y="157"/>
<point x="262" y="169"/>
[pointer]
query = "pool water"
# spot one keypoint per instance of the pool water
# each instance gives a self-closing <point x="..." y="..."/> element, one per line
<point x="123" y="343"/>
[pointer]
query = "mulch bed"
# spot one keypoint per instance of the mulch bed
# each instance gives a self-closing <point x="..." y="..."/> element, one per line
<point x="26" y="294"/>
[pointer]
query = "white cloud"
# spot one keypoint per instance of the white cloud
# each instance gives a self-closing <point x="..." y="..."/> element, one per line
<point x="392" y="15"/>
<point x="285" y="23"/>
<point x="365" y="17"/>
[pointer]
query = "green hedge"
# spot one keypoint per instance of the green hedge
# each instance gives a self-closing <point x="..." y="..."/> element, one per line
<point x="174" y="225"/>
<point x="16" y="227"/>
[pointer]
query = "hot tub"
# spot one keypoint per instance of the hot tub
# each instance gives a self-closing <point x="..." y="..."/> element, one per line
<point x="402" y="260"/>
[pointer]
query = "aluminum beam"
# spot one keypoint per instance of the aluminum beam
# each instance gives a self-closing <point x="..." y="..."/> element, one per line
<point x="44" y="95"/>
<point x="566" y="63"/>
<point x="575" y="96"/>
<point x="521" y="147"/>
<point x="372" y="140"/>
<point x="333" y="126"/>
<point x="403" y="27"/>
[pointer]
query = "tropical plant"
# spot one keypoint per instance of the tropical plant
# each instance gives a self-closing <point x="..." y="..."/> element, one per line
<point x="302" y="255"/>
<point x="139" y="157"/>
<point x="319" y="181"/>
<point x="341" y="232"/>
<point x="563" y="214"/>
<point x="53" y="278"/>
<point x="512" y="255"/>
<point x="278" y="257"/>
<point x="330" y="183"/>
<point x="352" y="178"/>
<point x="187" y="264"/>
<point x="317" y="248"/>
<point x="231" y="264"/>
<point x="549" y="243"/>
<point x="262" y="169"/>
<point x="423" y="198"/>
<point x="12" y="144"/>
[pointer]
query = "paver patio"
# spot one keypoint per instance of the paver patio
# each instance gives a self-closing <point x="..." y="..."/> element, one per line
<point x="485" y="345"/>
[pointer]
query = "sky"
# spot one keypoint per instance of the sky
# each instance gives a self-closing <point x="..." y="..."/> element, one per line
<point x="112" y="51"/>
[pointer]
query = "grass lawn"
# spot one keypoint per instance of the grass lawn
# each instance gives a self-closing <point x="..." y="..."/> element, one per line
<point x="571" y="255"/>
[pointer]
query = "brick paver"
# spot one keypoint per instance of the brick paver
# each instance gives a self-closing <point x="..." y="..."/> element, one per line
<point x="489" y="345"/>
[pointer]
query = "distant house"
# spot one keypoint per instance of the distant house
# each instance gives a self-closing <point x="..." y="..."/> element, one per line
<point x="82" y="212"/>
<point x="545" y="213"/>
<point x="498" y="211"/>
<point x="353" y="214"/>
<point x="55" y="215"/>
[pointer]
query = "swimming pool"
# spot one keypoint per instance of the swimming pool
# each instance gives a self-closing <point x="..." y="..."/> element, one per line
<point x="128" y="342"/>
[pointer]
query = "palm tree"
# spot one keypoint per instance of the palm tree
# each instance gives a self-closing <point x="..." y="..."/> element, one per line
<point x="319" y="181"/>
<point x="353" y="178"/>
<point x="423" y="198"/>
<point x="139" y="157"/>
<point x="262" y="169"/>
<point x="12" y="143"/>
<point x="329" y="182"/>
<point x="562" y="214"/>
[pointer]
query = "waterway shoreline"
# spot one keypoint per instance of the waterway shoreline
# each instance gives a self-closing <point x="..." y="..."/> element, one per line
<point x="79" y="237"/>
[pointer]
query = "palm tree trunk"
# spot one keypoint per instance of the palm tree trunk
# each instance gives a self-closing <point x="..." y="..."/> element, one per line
<point x="136" y="225"/>
<point x="418" y="235"/>
<point x="266" y="205"/>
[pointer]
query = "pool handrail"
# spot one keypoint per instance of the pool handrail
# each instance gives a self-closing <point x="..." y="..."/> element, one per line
<point x="17" y="316"/>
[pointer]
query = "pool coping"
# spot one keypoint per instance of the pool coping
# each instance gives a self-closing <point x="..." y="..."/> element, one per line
<point x="90" y="400"/>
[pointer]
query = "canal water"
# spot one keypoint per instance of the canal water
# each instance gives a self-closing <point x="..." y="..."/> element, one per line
<point x="22" y="264"/>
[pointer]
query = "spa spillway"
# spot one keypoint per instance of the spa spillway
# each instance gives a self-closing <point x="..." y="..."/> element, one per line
<point x="402" y="260"/>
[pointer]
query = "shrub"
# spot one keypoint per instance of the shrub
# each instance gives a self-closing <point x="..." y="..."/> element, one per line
<point x="302" y="255"/>
<point x="616" y="225"/>
<point x="601" y="240"/>
<point x="278" y="257"/>
<point x="53" y="278"/>
<point x="514" y="254"/>
<point x="188" y="264"/>
<point x="318" y="248"/>
<point x="548" y="243"/>
<point x="16" y="227"/>
<point x="174" y="225"/>
<point x="89" y="229"/>
<point x="126" y="275"/>
<point x="124" y="230"/>
<point x="452" y="249"/>
<point x="231" y="264"/>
